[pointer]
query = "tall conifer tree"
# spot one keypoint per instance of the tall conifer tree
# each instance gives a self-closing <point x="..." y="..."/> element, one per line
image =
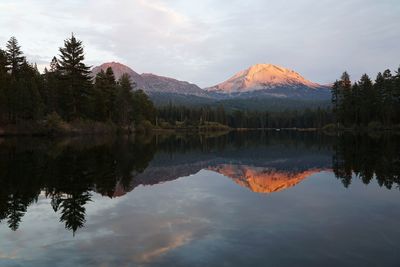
<point x="124" y="101"/>
<point x="3" y="85"/>
<point x="76" y="84"/>
<point x="15" y="57"/>
<point x="368" y="109"/>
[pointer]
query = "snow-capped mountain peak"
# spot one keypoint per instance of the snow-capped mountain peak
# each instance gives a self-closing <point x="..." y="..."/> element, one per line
<point x="261" y="77"/>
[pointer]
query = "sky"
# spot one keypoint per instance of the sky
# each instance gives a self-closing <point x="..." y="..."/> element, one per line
<point x="205" y="42"/>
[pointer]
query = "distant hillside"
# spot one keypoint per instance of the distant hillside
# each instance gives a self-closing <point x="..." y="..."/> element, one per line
<point x="152" y="83"/>
<point x="120" y="69"/>
<point x="261" y="87"/>
<point x="272" y="104"/>
<point x="163" y="99"/>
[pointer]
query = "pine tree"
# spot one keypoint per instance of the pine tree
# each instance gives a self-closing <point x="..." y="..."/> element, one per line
<point x="396" y="94"/>
<point x="344" y="100"/>
<point x="15" y="57"/>
<point x="143" y="108"/>
<point x="22" y="94"/>
<point x="124" y="101"/>
<point x="29" y="104"/>
<point x="379" y="87"/>
<point x="369" y="103"/>
<point x="105" y="95"/>
<point x="14" y="63"/>
<point x="388" y="98"/>
<point x="110" y="93"/>
<point x="54" y="67"/>
<point x="73" y="210"/>
<point x="3" y="86"/>
<point x="17" y="209"/>
<point x="3" y="62"/>
<point x="357" y="102"/>
<point x="335" y="99"/>
<point x="51" y="87"/>
<point x="99" y="104"/>
<point x="76" y="84"/>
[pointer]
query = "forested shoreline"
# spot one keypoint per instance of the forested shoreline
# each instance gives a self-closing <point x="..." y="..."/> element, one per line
<point x="367" y="104"/>
<point x="66" y="99"/>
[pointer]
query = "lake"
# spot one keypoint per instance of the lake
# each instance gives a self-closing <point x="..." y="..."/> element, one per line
<point x="238" y="199"/>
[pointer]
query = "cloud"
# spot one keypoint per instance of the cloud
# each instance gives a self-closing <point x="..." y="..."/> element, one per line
<point x="206" y="42"/>
<point x="11" y="256"/>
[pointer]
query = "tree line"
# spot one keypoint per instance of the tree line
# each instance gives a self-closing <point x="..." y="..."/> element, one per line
<point x="172" y="115"/>
<point x="367" y="103"/>
<point x="67" y="90"/>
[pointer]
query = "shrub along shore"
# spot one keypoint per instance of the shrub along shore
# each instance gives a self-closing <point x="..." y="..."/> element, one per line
<point x="55" y="126"/>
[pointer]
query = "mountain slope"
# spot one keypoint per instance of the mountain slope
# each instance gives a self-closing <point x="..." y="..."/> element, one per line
<point x="152" y="83"/>
<point x="270" y="81"/>
<point x="155" y="83"/>
<point x="260" y="87"/>
<point x="120" y="69"/>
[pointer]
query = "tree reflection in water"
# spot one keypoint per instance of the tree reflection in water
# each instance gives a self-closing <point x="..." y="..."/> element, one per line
<point x="66" y="172"/>
<point x="366" y="157"/>
<point x="69" y="171"/>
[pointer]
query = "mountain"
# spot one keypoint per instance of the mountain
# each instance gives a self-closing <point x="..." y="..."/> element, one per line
<point x="260" y="87"/>
<point x="269" y="81"/>
<point x="263" y="180"/>
<point x="151" y="83"/>
<point x="262" y="76"/>
<point x="273" y="166"/>
<point x="162" y="84"/>
<point x="257" y="179"/>
<point x="120" y="69"/>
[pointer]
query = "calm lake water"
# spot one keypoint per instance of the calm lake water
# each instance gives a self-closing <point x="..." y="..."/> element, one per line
<point x="242" y="199"/>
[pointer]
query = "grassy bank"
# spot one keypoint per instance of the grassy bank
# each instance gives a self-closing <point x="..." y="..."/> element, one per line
<point x="80" y="127"/>
<point x="53" y="125"/>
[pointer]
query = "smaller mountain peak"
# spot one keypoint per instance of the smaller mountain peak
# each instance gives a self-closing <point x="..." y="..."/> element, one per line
<point x="119" y="69"/>
<point x="116" y="66"/>
<point x="113" y="63"/>
<point x="150" y="82"/>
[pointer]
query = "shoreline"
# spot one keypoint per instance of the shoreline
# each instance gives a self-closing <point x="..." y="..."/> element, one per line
<point x="103" y="129"/>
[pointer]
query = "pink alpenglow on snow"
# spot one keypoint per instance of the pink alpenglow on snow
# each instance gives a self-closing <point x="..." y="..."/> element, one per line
<point x="260" y="77"/>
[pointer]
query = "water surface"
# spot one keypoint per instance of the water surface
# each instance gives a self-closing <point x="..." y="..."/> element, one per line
<point x="242" y="199"/>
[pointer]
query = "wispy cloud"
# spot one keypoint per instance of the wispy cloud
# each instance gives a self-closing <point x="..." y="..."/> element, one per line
<point x="205" y="42"/>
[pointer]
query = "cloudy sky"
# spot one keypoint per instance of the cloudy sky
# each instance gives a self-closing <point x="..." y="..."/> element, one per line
<point x="207" y="41"/>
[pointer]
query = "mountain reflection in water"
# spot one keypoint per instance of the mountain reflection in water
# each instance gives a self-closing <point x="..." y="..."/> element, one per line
<point x="263" y="180"/>
<point x="70" y="171"/>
